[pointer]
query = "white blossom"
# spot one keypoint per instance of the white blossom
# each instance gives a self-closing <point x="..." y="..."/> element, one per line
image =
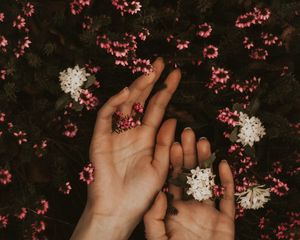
<point x="71" y="81"/>
<point x="251" y="130"/>
<point x="201" y="183"/>
<point x="254" y="197"/>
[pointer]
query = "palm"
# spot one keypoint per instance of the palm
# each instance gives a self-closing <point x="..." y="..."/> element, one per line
<point x="199" y="221"/>
<point x="194" y="220"/>
<point x="130" y="167"/>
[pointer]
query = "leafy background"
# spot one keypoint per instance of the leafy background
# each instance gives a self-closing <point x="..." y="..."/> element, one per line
<point x="31" y="98"/>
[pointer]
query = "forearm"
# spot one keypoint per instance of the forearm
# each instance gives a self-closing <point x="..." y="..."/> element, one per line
<point x="93" y="226"/>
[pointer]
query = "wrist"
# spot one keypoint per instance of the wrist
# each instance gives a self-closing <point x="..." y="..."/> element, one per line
<point x="94" y="225"/>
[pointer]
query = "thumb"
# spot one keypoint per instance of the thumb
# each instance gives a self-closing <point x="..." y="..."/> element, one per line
<point x="154" y="219"/>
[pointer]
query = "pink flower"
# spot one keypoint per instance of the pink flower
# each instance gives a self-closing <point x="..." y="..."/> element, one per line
<point x="141" y="65"/>
<point x="219" y="79"/>
<point x="19" y="23"/>
<point x="204" y="30"/>
<point x="87" y="22"/>
<point x="2" y="116"/>
<point x="229" y="117"/>
<point x="5" y="177"/>
<point x="127" y="6"/>
<point x="139" y="108"/>
<point x="42" y="207"/>
<point x="210" y="51"/>
<point x="22" y="213"/>
<point x="3" y="41"/>
<point x="87" y="174"/>
<point x="38" y="226"/>
<point x="2" y="16"/>
<point x="144" y="34"/>
<point x="269" y="38"/>
<point x="245" y="20"/>
<point x="28" y="9"/>
<point x="21" y="137"/>
<point x="262" y="15"/>
<point x="182" y="44"/>
<point x="259" y="54"/>
<point x="66" y="188"/>
<point x="88" y="100"/>
<point x="40" y="148"/>
<point x="71" y="130"/>
<point x="3" y="74"/>
<point x="3" y="221"/>
<point x="247" y="43"/>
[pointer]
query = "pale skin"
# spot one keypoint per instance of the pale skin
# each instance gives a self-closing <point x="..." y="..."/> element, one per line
<point x="195" y="220"/>
<point x="130" y="167"/>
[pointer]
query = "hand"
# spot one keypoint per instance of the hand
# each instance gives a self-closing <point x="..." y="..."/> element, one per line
<point x="130" y="167"/>
<point x="195" y="220"/>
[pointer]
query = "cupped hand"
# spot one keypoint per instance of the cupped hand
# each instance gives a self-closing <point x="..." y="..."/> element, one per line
<point x="195" y="220"/>
<point x="131" y="166"/>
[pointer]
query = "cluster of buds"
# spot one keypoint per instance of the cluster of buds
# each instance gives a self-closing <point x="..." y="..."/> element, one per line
<point x="123" y="123"/>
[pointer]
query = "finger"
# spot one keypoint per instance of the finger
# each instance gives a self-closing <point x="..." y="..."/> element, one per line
<point x="158" y="67"/>
<point x="136" y="89"/>
<point x="203" y="153"/>
<point x="176" y="157"/>
<point x="158" y="103"/>
<point x="164" y="140"/>
<point x="154" y="219"/>
<point x="227" y="202"/>
<point x="203" y="150"/>
<point x="188" y="140"/>
<point x="104" y="116"/>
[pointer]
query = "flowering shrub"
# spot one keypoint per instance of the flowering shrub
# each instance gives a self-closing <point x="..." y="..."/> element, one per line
<point x="61" y="60"/>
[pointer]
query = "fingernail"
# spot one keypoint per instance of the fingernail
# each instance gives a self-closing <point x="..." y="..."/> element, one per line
<point x="187" y="128"/>
<point x="175" y="142"/>
<point x="125" y="89"/>
<point x="202" y="138"/>
<point x="224" y="161"/>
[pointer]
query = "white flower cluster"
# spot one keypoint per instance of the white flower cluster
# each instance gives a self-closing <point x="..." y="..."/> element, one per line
<point x="251" y="130"/>
<point x="201" y="183"/>
<point x="71" y="81"/>
<point x="254" y="197"/>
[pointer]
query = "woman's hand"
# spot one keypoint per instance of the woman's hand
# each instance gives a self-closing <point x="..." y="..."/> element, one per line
<point x="195" y="220"/>
<point x="130" y="167"/>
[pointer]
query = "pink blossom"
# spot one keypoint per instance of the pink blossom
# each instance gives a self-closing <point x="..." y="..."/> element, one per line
<point x="22" y="213"/>
<point x="88" y="100"/>
<point x="66" y="188"/>
<point x="246" y="20"/>
<point x="71" y="130"/>
<point x="5" y="177"/>
<point x="229" y="117"/>
<point x="182" y="44"/>
<point x="144" y="34"/>
<point x="139" y="108"/>
<point x="87" y="174"/>
<point x="269" y="39"/>
<point x="42" y="207"/>
<point x="28" y="9"/>
<point x="40" y="148"/>
<point x="21" y="137"/>
<point x="3" y="221"/>
<point x="127" y="6"/>
<point x="38" y="226"/>
<point x="204" y="30"/>
<point x="259" y="54"/>
<point x="219" y="79"/>
<point x="2" y="116"/>
<point x="210" y="51"/>
<point x="141" y="65"/>
<point x="19" y="23"/>
<point x="3" y="74"/>
<point x="2" y="16"/>
<point x="247" y="43"/>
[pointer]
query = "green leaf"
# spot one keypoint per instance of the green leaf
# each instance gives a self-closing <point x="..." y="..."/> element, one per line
<point x="77" y="106"/>
<point x="209" y="162"/>
<point x="90" y="81"/>
<point x="180" y="181"/>
<point x="62" y="102"/>
<point x="250" y="151"/>
<point x="233" y="136"/>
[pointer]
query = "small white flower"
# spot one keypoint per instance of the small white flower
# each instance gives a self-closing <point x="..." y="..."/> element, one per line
<point x="251" y="130"/>
<point x="201" y="183"/>
<point x="254" y="197"/>
<point x="71" y="81"/>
